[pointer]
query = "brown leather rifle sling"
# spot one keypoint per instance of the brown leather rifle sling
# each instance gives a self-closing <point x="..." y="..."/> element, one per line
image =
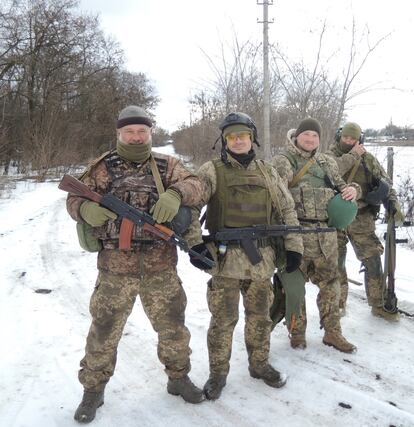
<point x="127" y="226"/>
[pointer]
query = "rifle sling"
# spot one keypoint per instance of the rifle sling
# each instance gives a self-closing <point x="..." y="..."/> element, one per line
<point x="272" y="190"/>
<point x="127" y="226"/>
<point x="353" y="171"/>
<point x="301" y="172"/>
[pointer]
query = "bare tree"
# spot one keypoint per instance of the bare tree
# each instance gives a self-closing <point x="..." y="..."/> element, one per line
<point x="62" y="83"/>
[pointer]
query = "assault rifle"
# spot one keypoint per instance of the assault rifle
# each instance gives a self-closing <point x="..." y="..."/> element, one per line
<point x="130" y="217"/>
<point x="247" y="235"/>
<point x="390" y="301"/>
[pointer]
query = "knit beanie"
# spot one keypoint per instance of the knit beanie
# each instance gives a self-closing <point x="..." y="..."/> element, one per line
<point x="133" y="115"/>
<point x="351" y="129"/>
<point x="309" y="124"/>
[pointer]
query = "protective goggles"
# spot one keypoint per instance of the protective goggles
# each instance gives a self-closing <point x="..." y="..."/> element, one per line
<point x="243" y="136"/>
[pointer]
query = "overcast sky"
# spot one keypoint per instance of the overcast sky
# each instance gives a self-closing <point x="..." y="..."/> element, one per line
<point x="164" y="39"/>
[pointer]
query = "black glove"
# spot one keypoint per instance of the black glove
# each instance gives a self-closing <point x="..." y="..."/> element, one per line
<point x="293" y="260"/>
<point x="201" y="249"/>
<point x="391" y="207"/>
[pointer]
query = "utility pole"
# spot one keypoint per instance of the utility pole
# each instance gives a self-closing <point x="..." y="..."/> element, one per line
<point x="266" y="85"/>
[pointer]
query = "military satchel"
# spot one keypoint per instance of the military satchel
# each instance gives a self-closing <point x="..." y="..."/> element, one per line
<point x="87" y="240"/>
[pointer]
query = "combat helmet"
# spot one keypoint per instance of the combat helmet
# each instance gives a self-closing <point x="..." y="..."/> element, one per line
<point x="239" y="119"/>
<point x="341" y="212"/>
<point x="235" y="118"/>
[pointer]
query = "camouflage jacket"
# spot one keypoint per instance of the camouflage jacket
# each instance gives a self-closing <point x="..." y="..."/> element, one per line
<point x="367" y="173"/>
<point x="311" y="203"/>
<point x="234" y="263"/>
<point x="134" y="183"/>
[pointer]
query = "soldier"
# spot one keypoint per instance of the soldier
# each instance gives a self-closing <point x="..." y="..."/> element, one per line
<point x="313" y="178"/>
<point x="138" y="176"/>
<point x="356" y="164"/>
<point x="239" y="192"/>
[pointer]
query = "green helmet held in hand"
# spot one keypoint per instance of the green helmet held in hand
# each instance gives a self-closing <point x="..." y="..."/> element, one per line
<point x="341" y="212"/>
<point x="94" y="214"/>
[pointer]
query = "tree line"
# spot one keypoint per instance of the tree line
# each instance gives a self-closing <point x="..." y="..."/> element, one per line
<point x="63" y="82"/>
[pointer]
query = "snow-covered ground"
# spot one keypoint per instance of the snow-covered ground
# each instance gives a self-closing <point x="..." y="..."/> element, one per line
<point x="42" y="339"/>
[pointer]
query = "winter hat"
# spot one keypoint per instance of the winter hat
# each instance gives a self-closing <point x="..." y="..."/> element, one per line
<point x="309" y="124"/>
<point x="133" y="115"/>
<point x="351" y="129"/>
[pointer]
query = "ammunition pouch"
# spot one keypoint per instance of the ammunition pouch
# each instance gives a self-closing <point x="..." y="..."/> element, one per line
<point x="87" y="239"/>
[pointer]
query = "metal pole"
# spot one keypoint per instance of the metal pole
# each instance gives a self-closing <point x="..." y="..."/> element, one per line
<point x="266" y="85"/>
<point x="390" y="162"/>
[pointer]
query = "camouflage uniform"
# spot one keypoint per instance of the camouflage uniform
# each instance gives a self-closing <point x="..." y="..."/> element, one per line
<point x="148" y="270"/>
<point x="234" y="274"/>
<point x="361" y="232"/>
<point x="311" y="195"/>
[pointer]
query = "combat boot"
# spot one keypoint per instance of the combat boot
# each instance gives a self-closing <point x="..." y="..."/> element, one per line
<point x="185" y="388"/>
<point x="337" y="340"/>
<point x="380" y="312"/>
<point x="269" y="375"/>
<point x="298" y="341"/>
<point x="91" y="401"/>
<point x="214" y="386"/>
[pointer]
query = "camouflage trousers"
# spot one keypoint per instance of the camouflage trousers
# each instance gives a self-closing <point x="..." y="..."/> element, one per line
<point x="223" y="295"/>
<point x="112" y="301"/>
<point x="323" y="272"/>
<point x="368" y="249"/>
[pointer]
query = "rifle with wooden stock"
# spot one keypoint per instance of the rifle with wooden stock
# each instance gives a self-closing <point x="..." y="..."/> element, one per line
<point x="130" y="217"/>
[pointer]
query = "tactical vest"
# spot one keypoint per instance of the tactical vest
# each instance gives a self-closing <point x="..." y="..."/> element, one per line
<point x="311" y="194"/>
<point x="241" y="199"/>
<point x="134" y="184"/>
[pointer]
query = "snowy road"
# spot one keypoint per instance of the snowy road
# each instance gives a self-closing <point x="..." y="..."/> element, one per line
<point x="43" y="335"/>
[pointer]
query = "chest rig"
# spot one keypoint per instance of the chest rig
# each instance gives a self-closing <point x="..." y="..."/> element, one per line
<point x="311" y="193"/>
<point x="134" y="183"/>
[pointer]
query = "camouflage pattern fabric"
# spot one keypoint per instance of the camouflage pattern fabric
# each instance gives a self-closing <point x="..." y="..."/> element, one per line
<point x="164" y="302"/>
<point x="135" y="184"/>
<point x="148" y="270"/>
<point x="361" y="233"/>
<point x="234" y="274"/>
<point x="367" y="246"/>
<point x="223" y="296"/>
<point x="320" y="258"/>
<point x="321" y="268"/>
<point x="368" y="171"/>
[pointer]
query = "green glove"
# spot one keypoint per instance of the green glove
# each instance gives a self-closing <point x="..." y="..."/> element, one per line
<point x="166" y="207"/>
<point x="294" y="287"/>
<point x="94" y="214"/>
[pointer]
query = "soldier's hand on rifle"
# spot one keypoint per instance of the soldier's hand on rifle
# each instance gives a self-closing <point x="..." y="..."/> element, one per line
<point x="94" y="214"/>
<point x="201" y="249"/>
<point x="293" y="261"/>
<point x="166" y="207"/>
<point x="393" y="208"/>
